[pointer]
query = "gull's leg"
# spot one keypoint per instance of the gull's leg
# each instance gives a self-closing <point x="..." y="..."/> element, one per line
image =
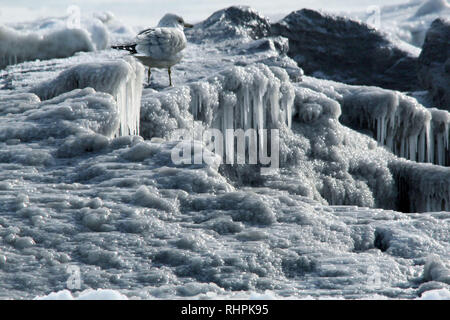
<point x="170" y="77"/>
<point x="148" y="75"/>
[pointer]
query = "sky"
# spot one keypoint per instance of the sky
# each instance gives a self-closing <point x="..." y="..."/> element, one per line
<point x="148" y="12"/>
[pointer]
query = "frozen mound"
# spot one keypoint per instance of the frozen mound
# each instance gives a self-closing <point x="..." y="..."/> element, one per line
<point x="233" y="22"/>
<point x="354" y="53"/>
<point x="431" y="6"/>
<point x="434" y="60"/>
<point x="16" y="47"/>
<point x="122" y="79"/>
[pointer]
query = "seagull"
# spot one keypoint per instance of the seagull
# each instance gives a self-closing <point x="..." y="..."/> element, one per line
<point x="160" y="47"/>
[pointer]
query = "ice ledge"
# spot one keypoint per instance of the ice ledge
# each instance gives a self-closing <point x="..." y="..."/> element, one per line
<point x="122" y="79"/>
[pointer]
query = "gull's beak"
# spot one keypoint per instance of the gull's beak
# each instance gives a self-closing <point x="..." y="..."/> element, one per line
<point x="188" y="25"/>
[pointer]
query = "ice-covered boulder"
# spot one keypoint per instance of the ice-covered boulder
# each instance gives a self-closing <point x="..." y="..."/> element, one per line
<point x="235" y="21"/>
<point x="121" y="78"/>
<point x="345" y="50"/>
<point x="434" y="60"/>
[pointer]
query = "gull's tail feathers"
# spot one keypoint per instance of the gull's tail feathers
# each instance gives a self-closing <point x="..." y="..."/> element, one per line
<point x="129" y="47"/>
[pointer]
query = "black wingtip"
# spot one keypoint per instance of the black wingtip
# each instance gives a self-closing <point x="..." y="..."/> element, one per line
<point x="128" y="47"/>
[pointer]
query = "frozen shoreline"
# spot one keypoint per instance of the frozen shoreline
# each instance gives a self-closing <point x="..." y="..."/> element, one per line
<point x="78" y="187"/>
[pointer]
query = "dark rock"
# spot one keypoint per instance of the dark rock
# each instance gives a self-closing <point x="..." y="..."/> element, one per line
<point x="235" y="21"/>
<point x="434" y="63"/>
<point x="345" y="50"/>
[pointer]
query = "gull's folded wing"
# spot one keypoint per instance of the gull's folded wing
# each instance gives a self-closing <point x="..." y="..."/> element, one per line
<point x="160" y="43"/>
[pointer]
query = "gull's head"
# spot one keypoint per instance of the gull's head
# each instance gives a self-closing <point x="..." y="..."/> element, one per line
<point x="171" y="20"/>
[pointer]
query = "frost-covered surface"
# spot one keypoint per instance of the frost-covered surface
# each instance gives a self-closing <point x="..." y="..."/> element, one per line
<point x="73" y="193"/>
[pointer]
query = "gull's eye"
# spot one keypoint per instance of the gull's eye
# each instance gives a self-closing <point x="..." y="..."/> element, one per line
<point x="180" y="20"/>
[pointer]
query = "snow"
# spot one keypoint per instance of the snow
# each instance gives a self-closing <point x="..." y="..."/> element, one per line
<point x="431" y="6"/>
<point x="17" y="47"/>
<point x="89" y="294"/>
<point x="349" y="214"/>
<point x="439" y="294"/>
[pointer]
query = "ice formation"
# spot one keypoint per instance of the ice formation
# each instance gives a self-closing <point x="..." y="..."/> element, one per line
<point x="138" y="225"/>
<point x="122" y="79"/>
<point x="253" y="97"/>
<point x="421" y="187"/>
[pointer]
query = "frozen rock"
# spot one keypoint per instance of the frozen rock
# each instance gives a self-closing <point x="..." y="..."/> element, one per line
<point x="434" y="61"/>
<point x="345" y="50"/>
<point x="235" y="21"/>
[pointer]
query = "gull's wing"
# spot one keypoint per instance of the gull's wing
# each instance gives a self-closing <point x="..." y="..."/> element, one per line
<point x="160" y="43"/>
